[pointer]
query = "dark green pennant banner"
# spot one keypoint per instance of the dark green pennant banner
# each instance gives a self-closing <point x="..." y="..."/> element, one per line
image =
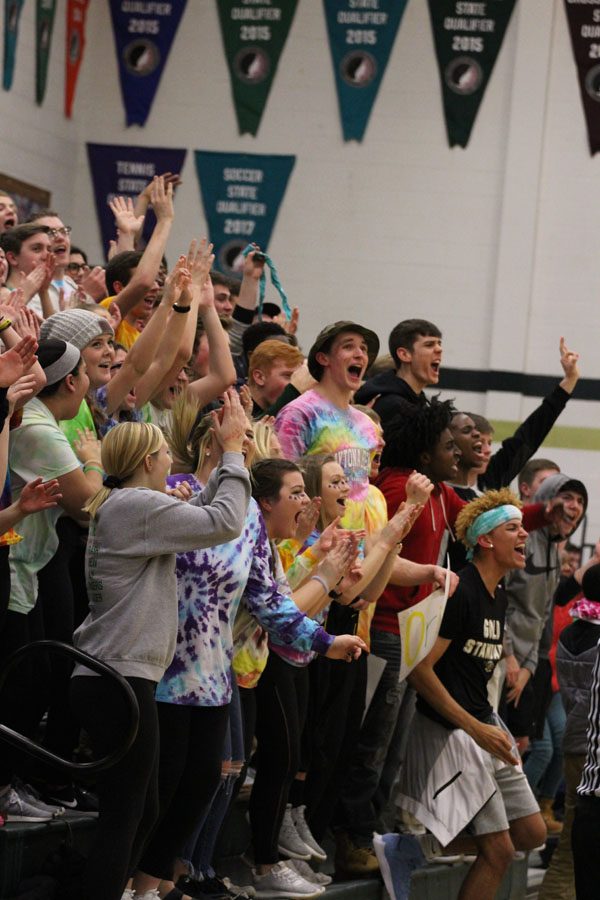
<point x="44" y="25"/>
<point x="468" y="37"/>
<point x="361" y="37"/>
<point x="254" y="36"/>
<point x="241" y="195"/>
<point x="12" y="14"/>
<point x="584" y="26"/>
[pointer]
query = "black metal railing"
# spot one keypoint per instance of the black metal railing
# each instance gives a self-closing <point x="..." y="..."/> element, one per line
<point x="39" y="752"/>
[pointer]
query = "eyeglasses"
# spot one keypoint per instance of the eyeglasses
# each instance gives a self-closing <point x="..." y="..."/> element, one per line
<point x="78" y="267"/>
<point x="65" y="231"/>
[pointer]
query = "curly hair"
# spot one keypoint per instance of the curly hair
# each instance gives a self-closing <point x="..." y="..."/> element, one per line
<point x="487" y="501"/>
<point x="414" y="431"/>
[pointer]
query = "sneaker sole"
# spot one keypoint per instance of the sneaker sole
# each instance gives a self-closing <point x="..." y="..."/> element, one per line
<point x="285" y="851"/>
<point x="32" y="819"/>
<point x="317" y="854"/>
<point x="293" y="895"/>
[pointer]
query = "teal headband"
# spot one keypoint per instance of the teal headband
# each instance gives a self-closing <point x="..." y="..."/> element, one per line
<point x="487" y="521"/>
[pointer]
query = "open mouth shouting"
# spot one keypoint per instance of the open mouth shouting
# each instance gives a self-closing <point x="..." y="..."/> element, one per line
<point x="356" y="373"/>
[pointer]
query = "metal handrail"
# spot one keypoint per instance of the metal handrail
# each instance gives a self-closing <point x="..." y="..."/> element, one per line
<point x="30" y="746"/>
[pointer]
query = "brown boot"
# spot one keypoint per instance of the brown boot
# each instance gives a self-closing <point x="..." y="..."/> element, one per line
<point x="552" y="824"/>
<point x="353" y="860"/>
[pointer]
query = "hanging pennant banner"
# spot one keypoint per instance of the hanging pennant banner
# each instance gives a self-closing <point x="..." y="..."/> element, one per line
<point x="241" y="193"/>
<point x="125" y="172"/>
<point x="254" y="35"/>
<point x="75" y="44"/>
<point x="44" y="25"/>
<point x="361" y="37"/>
<point x="12" y="14"/>
<point x="584" y="25"/>
<point x="468" y="37"/>
<point x="144" y="34"/>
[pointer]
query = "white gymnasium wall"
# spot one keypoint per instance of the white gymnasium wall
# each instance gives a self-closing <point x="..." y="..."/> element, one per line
<point x="495" y="243"/>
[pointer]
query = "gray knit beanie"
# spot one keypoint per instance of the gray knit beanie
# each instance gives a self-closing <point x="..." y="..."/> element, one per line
<point x="77" y="326"/>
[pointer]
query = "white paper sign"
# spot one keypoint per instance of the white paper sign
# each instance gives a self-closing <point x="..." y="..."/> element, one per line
<point x="419" y="628"/>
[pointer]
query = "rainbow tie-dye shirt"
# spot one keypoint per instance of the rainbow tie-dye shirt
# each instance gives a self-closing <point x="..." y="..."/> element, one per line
<point x="311" y="424"/>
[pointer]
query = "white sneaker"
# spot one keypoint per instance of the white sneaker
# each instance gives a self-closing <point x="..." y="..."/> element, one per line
<point x="147" y="895"/>
<point x="306" y="871"/>
<point x="305" y="834"/>
<point x="128" y="894"/>
<point x="282" y="881"/>
<point x="14" y="808"/>
<point x="290" y="843"/>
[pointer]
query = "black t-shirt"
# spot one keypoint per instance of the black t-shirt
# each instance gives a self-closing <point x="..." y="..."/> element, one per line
<point x="474" y="622"/>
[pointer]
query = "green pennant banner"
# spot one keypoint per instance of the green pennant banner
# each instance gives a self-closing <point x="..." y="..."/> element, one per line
<point x="241" y="194"/>
<point x="361" y="37"/>
<point x="254" y="35"/>
<point x="584" y="27"/>
<point x="468" y="37"/>
<point x="12" y="14"/>
<point x="44" y="25"/>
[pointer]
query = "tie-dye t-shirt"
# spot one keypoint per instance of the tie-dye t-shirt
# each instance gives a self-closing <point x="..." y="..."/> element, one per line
<point x="311" y="424"/>
<point x="210" y="585"/>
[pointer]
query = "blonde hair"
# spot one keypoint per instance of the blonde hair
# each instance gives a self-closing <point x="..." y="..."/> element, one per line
<point x="487" y="501"/>
<point x="189" y="435"/>
<point x="124" y="449"/>
<point x="263" y="432"/>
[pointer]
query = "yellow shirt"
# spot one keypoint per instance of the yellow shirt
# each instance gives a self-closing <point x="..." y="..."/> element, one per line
<point x="125" y="334"/>
<point x="376" y="517"/>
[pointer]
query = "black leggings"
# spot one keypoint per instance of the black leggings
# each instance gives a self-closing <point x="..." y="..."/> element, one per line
<point x="339" y="697"/>
<point x="128" y="792"/>
<point x="192" y="739"/>
<point x="62" y="597"/>
<point x="24" y="696"/>
<point x="281" y="705"/>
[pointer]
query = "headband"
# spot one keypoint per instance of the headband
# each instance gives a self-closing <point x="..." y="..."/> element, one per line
<point x="487" y="521"/>
<point x="61" y="367"/>
<point x="586" y="609"/>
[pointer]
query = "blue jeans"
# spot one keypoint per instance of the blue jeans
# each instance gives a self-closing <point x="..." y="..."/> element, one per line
<point x="543" y="767"/>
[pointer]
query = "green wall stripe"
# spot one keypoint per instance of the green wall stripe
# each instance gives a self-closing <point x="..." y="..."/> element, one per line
<point x="566" y="437"/>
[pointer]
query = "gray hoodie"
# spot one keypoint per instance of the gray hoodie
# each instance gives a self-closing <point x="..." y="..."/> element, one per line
<point x="130" y="566"/>
<point x="530" y="591"/>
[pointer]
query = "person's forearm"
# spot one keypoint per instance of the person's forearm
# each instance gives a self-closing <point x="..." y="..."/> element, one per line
<point x="147" y="269"/>
<point x="220" y="363"/>
<point x="221" y="371"/>
<point x="139" y="358"/>
<point x="311" y="598"/>
<point x="47" y="304"/>
<point x="248" y="293"/>
<point x="376" y="571"/>
<point x="406" y="573"/>
<point x="376" y="586"/>
<point x="424" y="680"/>
<point x="171" y="356"/>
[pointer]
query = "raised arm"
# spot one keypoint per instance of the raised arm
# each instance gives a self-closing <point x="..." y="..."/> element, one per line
<point x="221" y="371"/>
<point x="144" y="355"/>
<point x="245" y="305"/>
<point x="128" y="225"/>
<point x="147" y="269"/>
<point x="515" y="451"/>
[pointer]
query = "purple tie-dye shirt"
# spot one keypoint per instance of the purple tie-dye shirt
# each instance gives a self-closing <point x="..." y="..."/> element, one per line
<point x="210" y="585"/>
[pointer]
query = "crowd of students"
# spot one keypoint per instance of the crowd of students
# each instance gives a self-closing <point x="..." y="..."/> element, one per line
<point x="234" y="527"/>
